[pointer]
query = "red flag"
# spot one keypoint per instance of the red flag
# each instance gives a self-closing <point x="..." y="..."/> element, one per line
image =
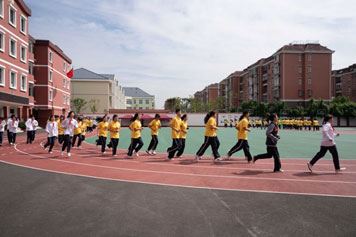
<point x="70" y="74"/>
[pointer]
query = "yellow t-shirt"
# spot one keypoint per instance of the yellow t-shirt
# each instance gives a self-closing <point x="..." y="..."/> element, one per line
<point x="183" y="130"/>
<point x="114" y="128"/>
<point x="316" y="123"/>
<point x="135" y="127"/>
<point x="84" y="126"/>
<point x="78" y="130"/>
<point x="154" y="125"/>
<point x="241" y="132"/>
<point x="103" y="129"/>
<point x="60" y="128"/>
<point x="209" y="131"/>
<point x="175" y="125"/>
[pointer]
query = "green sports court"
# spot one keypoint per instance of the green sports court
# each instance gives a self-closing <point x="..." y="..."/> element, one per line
<point x="293" y="144"/>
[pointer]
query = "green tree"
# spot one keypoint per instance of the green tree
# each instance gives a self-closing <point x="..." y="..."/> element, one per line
<point x="93" y="105"/>
<point x="172" y="104"/>
<point x="78" y="104"/>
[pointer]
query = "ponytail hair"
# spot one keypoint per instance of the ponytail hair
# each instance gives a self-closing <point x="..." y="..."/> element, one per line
<point x="114" y="117"/>
<point x="244" y="114"/>
<point x="327" y="118"/>
<point x="70" y="112"/>
<point x="184" y="117"/>
<point x="271" y="117"/>
<point x="134" y="117"/>
<point x="208" y="116"/>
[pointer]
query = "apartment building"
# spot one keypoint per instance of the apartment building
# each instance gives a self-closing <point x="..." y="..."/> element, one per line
<point x="138" y="99"/>
<point x="344" y="82"/>
<point x="209" y="94"/>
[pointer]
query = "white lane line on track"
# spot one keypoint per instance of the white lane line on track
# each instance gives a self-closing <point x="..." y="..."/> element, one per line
<point x="190" y="174"/>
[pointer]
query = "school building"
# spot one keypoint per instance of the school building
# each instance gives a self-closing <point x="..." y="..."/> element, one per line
<point x="209" y="94"/>
<point x="138" y="99"/>
<point x="344" y="82"/>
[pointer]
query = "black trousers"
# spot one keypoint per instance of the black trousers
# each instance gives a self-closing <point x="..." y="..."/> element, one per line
<point x="241" y="144"/>
<point x="79" y="136"/>
<point x="61" y="138"/>
<point x="114" y="145"/>
<point x="271" y="152"/>
<point x="136" y="145"/>
<point x="1" y="137"/>
<point x="102" y="142"/>
<point x="322" y="152"/>
<point x="67" y="143"/>
<point x="176" y="145"/>
<point x="153" y="143"/>
<point x="30" y="136"/>
<point x="210" y="141"/>
<point x="182" y="147"/>
<point x="11" y="137"/>
<point x="50" y="143"/>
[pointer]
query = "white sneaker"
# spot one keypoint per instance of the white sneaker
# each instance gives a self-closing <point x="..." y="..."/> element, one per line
<point x="62" y="153"/>
<point x="154" y="153"/>
<point x="217" y="159"/>
<point x="69" y="155"/>
<point x="136" y="154"/>
<point x="197" y="157"/>
<point x="310" y="167"/>
<point x="340" y="170"/>
<point x="51" y="152"/>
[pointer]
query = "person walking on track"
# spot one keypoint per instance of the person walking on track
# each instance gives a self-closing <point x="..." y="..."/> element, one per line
<point x="327" y="144"/>
<point x="31" y="125"/>
<point x="183" y="135"/>
<point x="154" y="125"/>
<point x="102" y="128"/>
<point x="175" y="126"/>
<point x="60" y="129"/>
<point x="114" y="128"/>
<point x="272" y="138"/>
<point x="69" y="124"/>
<point x="242" y="134"/>
<point x="136" y="140"/>
<point x="52" y="133"/>
<point x="12" y="125"/>
<point x="210" y="138"/>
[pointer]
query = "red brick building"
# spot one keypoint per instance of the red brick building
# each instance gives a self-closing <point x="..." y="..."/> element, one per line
<point x="209" y="94"/>
<point x="344" y="82"/>
<point x="52" y="89"/>
<point x="229" y="89"/>
<point x="15" y="56"/>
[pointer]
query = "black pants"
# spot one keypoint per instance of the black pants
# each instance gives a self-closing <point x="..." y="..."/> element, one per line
<point x="153" y="143"/>
<point x="50" y="143"/>
<point x="322" y="152"/>
<point x="271" y="152"/>
<point x="1" y="137"/>
<point x="136" y="145"/>
<point x="67" y="143"/>
<point x="61" y="138"/>
<point x="102" y="142"/>
<point x="79" y="136"/>
<point x="30" y="136"/>
<point x="182" y="147"/>
<point x="176" y="145"/>
<point x="114" y="145"/>
<point x="12" y="137"/>
<point x="241" y="144"/>
<point x="210" y="141"/>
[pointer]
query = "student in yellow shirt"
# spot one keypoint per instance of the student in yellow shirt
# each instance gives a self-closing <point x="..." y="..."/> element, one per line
<point x="77" y="132"/>
<point x="136" y="140"/>
<point x="114" y="128"/>
<point x="210" y="137"/>
<point x="242" y="133"/>
<point x="154" y="125"/>
<point x="60" y="129"/>
<point x="83" y="127"/>
<point x="183" y="134"/>
<point x="102" y="129"/>
<point x="175" y="126"/>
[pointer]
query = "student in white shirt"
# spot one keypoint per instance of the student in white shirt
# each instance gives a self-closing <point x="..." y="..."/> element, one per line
<point x="12" y="126"/>
<point x="52" y="131"/>
<point x="2" y="129"/>
<point x="69" y="124"/>
<point x="327" y="144"/>
<point x="31" y="125"/>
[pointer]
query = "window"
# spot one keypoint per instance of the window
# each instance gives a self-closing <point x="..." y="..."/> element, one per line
<point x="140" y="101"/>
<point x="128" y="101"/>
<point x="50" y="76"/>
<point x="301" y="93"/>
<point x="64" y="99"/>
<point x="2" y="8"/>
<point x="50" y="56"/>
<point x="310" y="93"/>
<point x="30" y="89"/>
<point x="309" y="57"/>
<point x="64" y="83"/>
<point x="13" y="50"/>
<point x="30" y="68"/>
<point x="30" y="47"/>
<point x="300" y="69"/>
<point x="23" y="83"/>
<point x="300" y="57"/>
<point x="2" y="41"/>
<point x="23" y="54"/>
<point x="147" y="102"/>
<point x="12" y="16"/>
<point x="50" y="95"/>
<point x="68" y="84"/>
<point x="309" y="81"/>
<point x="2" y="76"/>
<point x="309" y="69"/>
<point x="23" y="22"/>
<point x="64" y="67"/>
<point x="134" y="101"/>
<point x="300" y="81"/>
<point x="13" y="83"/>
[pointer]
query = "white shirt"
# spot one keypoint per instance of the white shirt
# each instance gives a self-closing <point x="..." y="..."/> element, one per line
<point x="2" y="126"/>
<point x="52" y="129"/>
<point x="12" y="125"/>
<point x="31" y="124"/>
<point x="69" y="125"/>
<point x="328" y="135"/>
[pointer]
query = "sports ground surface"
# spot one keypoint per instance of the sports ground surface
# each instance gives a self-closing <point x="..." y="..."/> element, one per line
<point x="94" y="195"/>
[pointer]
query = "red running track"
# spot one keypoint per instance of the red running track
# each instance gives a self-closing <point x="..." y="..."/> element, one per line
<point x="226" y="175"/>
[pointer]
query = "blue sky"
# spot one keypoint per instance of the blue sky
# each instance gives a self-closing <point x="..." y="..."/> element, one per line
<point x="174" y="48"/>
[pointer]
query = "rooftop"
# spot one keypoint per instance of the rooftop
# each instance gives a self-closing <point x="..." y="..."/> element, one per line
<point x="135" y="92"/>
<point x="85" y="74"/>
